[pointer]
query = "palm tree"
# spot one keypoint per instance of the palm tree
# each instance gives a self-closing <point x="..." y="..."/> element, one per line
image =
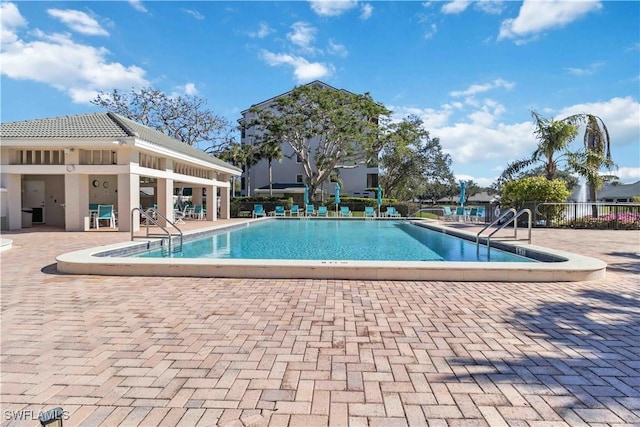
<point x="596" y="154"/>
<point x="554" y="138"/>
<point x="233" y="154"/>
<point x="270" y="149"/>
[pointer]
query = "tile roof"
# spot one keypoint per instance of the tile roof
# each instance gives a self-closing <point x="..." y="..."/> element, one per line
<point x="100" y="126"/>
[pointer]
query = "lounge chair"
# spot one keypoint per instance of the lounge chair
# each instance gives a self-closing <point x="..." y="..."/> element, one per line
<point x="345" y="211"/>
<point x="392" y="212"/>
<point x="448" y="215"/>
<point x="369" y="212"/>
<point x="198" y="212"/>
<point x="476" y="214"/>
<point x="322" y="211"/>
<point x="180" y="215"/>
<point x="461" y="213"/>
<point x="294" y="210"/>
<point x="279" y="211"/>
<point x="105" y="213"/>
<point x="310" y="210"/>
<point x="258" y="210"/>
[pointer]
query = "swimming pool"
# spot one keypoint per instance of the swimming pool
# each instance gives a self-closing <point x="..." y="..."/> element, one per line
<point x="116" y="260"/>
<point x="294" y="239"/>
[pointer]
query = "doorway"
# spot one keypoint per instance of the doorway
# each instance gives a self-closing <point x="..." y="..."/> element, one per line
<point x="34" y="199"/>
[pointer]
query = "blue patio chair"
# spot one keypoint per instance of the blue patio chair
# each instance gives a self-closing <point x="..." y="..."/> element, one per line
<point x="279" y="211"/>
<point x="345" y="211"/>
<point x="448" y="215"/>
<point x="198" y="212"/>
<point x="322" y="211"/>
<point x="392" y="212"/>
<point x="105" y="213"/>
<point x="310" y="210"/>
<point x="258" y="210"/>
<point x="294" y="210"/>
<point x="479" y="215"/>
<point x="461" y="213"/>
<point x="369" y="212"/>
<point x="180" y="215"/>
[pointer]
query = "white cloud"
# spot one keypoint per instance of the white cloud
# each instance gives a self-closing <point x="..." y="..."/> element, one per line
<point x="480" y="88"/>
<point x="337" y="49"/>
<point x="591" y="69"/>
<point x="78" y="21"/>
<point x="366" y="11"/>
<point x="79" y="70"/>
<point x="190" y="89"/>
<point x="302" y="35"/>
<point x="620" y="115"/>
<point x="197" y="15"/>
<point x="263" y="31"/>
<point x="430" y="31"/>
<point x="493" y="7"/>
<point x="303" y="70"/>
<point x="628" y="175"/>
<point x="455" y="6"/>
<point x="537" y="16"/>
<point x="332" y="7"/>
<point x="10" y="21"/>
<point x="137" y="5"/>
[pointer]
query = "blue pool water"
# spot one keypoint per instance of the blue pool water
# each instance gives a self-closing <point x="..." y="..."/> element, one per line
<point x="336" y="240"/>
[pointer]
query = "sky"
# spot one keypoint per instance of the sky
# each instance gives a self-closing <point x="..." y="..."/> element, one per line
<point x="473" y="71"/>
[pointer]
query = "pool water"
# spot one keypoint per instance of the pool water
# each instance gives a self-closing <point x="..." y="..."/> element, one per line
<point x="336" y="240"/>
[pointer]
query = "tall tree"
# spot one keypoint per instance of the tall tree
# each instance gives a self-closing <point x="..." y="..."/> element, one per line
<point x="327" y="129"/>
<point x="270" y="149"/>
<point x="412" y="163"/>
<point x="554" y="139"/>
<point x="185" y="117"/>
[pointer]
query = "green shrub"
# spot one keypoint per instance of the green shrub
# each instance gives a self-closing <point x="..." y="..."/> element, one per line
<point x="539" y="189"/>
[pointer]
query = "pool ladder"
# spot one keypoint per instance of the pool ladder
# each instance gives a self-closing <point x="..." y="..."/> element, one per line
<point x="150" y="216"/>
<point x="510" y="215"/>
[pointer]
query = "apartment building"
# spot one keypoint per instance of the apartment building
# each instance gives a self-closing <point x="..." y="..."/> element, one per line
<point x="288" y="174"/>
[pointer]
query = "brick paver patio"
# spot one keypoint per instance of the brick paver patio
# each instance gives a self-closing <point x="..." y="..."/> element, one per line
<point x="226" y="352"/>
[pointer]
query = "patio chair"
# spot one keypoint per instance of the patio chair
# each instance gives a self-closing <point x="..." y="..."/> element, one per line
<point x="258" y="210"/>
<point x="105" y="213"/>
<point x="392" y="212"/>
<point x="310" y="210"/>
<point x="345" y="211"/>
<point x="198" y="212"/>
<point x="369" y="212"/>
<point x="322" y="211"/>
<point x="461" y="214"/>
<point x="279" y="211"/>
<point x="448" y="215"/>
<point x="294" y="210"/>
<point x="180" y="215"/>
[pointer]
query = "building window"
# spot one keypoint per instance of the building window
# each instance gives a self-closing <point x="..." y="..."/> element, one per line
<point x="372" y="180"/>
<point x="298" y="158"/>
<point x="299" y="178"/>
<point x="242" y="183"/>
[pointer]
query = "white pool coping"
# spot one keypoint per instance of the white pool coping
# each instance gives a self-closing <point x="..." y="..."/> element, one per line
<point x="575" y="267"/>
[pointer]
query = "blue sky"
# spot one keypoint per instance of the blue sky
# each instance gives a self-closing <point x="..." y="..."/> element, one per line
<point x="473" y="71"/>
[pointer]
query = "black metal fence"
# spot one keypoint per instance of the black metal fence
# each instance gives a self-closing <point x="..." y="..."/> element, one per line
<point x="602" y="216"/>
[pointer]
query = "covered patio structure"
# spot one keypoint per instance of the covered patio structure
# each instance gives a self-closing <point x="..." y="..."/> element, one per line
<point x="60" y="168"/>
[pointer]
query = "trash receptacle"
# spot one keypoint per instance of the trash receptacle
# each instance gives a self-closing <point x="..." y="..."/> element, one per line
<point x="27" y="217"/>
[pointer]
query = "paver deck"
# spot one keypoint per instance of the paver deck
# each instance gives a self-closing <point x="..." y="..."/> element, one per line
<point x="227" y="352"/>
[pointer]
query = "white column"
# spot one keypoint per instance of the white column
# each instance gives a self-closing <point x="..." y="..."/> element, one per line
<point x="165" y="199"/>
<point x="128" y="198"/>
<point x="13" y="183"/>
<point x="225" y="203"/>
<point x="76" y="201"/>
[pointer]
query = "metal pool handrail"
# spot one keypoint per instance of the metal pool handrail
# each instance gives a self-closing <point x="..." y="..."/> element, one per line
<point x="149" y="218"/>
<point x="514" y="218"/>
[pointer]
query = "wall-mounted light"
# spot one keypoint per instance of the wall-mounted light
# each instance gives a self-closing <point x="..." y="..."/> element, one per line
<point x="68" y="150"/>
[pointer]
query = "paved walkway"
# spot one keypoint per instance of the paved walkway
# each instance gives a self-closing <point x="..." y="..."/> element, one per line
<point x="204" y="352"/>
